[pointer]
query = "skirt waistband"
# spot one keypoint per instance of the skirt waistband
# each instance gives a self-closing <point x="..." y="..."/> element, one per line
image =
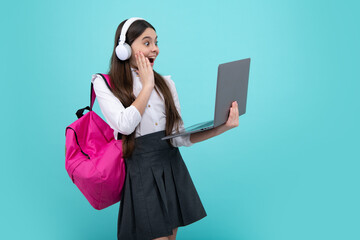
<point x="151" y="142"/>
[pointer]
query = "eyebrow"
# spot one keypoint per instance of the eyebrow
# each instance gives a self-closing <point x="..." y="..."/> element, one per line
<point x="148" y="37"/>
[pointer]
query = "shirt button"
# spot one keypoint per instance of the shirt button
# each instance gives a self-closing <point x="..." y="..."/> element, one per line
<point x="156" y="124"/>
<point x="149" y="105"/>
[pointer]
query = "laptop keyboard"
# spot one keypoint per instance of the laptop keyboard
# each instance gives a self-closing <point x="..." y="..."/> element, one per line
<point x="200" y="126"/>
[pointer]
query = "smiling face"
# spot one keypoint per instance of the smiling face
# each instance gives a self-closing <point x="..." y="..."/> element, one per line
<point x="147" y="44"/>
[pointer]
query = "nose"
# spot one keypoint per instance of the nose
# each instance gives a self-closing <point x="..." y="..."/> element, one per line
<point x="155" y="48"/>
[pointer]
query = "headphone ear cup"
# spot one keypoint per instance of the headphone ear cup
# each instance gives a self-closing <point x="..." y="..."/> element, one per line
<point x="123" y="51"/>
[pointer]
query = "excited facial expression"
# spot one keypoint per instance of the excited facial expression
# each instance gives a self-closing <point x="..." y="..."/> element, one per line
<point x="147" y="44"/>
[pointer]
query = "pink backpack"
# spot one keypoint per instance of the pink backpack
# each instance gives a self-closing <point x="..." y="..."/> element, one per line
<point x="93" y="158"/>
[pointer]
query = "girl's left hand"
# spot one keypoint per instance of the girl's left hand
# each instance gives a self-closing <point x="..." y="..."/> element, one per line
<point x="233" y="120"/>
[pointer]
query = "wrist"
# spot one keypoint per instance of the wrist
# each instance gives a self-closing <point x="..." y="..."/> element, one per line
<point x="220" y="129"/>
<point x="148" y="87"/>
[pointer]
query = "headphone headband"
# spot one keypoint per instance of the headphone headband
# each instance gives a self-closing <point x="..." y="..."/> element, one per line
<point x="123" y="50"/>
<point x="126" y="27"/>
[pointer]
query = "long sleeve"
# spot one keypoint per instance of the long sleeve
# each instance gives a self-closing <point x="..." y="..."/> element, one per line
<point x="121" y="119"/>
<point x="185" y="139"/>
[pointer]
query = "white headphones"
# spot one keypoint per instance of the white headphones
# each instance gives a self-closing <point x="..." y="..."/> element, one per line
<point x="123" y="50"/>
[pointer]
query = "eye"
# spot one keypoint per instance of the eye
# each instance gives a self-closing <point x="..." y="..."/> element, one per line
<point x="156" y="43"/>
<point x="146" y="43"/>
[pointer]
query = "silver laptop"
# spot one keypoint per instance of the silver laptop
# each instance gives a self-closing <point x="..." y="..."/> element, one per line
<point x="232" y="85"/>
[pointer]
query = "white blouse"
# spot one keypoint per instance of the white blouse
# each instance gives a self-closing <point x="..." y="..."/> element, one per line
<point x="126" y="120"/>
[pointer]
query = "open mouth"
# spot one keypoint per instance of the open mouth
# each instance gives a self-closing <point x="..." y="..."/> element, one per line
<point x="151" y="60"/>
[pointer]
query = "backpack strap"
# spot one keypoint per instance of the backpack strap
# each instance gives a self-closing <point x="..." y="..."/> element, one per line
<point x="92" y="92"/>
<point x="93" y="95"/>
<point x="80" y="112"/>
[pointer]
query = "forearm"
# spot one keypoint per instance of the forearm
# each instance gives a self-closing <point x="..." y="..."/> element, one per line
<point x="142" y="99"/>
<point x="204" y="135"/>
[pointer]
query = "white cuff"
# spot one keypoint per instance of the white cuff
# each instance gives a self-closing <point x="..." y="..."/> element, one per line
<point x="181" y="141"/>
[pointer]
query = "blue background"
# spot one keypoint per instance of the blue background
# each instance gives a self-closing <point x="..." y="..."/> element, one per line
<point x="289" y="171"/>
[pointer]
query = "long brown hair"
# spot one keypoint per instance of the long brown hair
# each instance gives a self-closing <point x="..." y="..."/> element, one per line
<point x="122" y="85"/>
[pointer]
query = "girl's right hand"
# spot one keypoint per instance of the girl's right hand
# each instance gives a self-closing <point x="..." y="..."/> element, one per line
<point x="145" y="70"/>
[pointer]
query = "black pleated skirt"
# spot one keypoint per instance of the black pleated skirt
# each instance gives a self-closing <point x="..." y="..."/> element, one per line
<point x="158" y="193"/>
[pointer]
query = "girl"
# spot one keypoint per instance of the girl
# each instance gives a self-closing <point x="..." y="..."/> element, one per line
<point x="142" y="107"/>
